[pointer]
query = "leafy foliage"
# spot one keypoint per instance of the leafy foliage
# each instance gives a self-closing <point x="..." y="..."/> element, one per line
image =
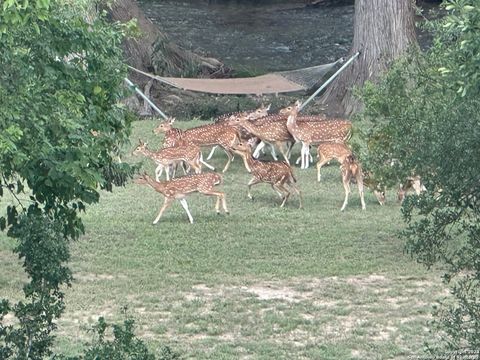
<point x="424" y="120"/>
<point x="61" y="126"/>
<point x="44" y="251"/>
<point x="123" y="346"/>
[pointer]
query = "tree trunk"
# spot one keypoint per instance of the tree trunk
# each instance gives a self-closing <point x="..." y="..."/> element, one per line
<point x="383" y="30"/>
<point x="153" y="52"/>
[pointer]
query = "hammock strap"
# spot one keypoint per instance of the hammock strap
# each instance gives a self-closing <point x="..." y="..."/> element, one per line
<point x="328" y="81"/>
<point x="137" y="90"/>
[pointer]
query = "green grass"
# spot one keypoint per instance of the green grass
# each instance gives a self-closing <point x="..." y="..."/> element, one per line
<point x="261" y="283"/>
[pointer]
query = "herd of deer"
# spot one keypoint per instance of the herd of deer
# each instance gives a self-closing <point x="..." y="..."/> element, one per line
<point x="240" y="133"/>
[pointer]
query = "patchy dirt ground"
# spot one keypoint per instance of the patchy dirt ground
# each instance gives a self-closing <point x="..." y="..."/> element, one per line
<point x="359" y="313"/>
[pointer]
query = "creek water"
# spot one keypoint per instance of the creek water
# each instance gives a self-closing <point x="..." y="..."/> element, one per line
<point x="257" y="36"/>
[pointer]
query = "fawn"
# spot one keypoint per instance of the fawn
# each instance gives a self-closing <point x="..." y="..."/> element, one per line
<point x="171" y="156"/>
<point x="314" y="132"/>
<point x="180" y="187"/>
<point x="205" y="135"/>
<point x="328" y="151"/>
<point x="276" y="173"/>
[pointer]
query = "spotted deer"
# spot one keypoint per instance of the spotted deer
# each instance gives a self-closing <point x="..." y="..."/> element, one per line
<point x="351" y="169"/>
<point x="205" y="135"/>
<point x="276" y="173"/>
<point x="328" y="151"/>
<point x="282" y="120"/>
<point x="314" y="132"/>
<point x="261" y="112"/>
<point x="412" y="184"/>
<point x="180" y="187"/>
<point x="171" y="156"/>
<point x="270" y="132"/>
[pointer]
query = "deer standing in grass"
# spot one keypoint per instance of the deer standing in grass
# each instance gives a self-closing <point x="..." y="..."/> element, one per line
<point x="171" y="156"/>
<point x="205" y="135"/>
<point x="351" y="168"/>
<point x="314" y="132"/>
<point x="179" y="188"/>
<point x="224" y="119"/>
<point x="276" y="173"/>
<point x="328" y="151"/>
<point x="270" y="132"/>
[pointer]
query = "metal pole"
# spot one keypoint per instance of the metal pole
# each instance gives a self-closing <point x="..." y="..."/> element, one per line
<point x="328" y="81"/>
<point x="146" y="98"/>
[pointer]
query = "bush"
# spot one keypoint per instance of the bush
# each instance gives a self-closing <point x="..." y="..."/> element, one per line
<point x="423" y="119"/>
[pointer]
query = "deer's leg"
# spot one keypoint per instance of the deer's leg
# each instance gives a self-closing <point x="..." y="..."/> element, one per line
<point x="346" y="186"/>
<point x="284" y="190"/>
<point x="204" y="163"/>
<point x="224" y="204"/>
<point x="259" y="147"/>
<point x="298" y="192"/>
<point x="196" y="166"/>
<point x="220" y="198"/>
<point x="230" y="159"/>
<point x="322" y="161"/>
<point x="272" y="152"/>
<point x="211" y="152"/>
<point x="252" y="182"/>
<point x="185" y="206"/>
<point x="185" y="167"/>
<point x="359" y="178"/>
<point x="289" y="148"/>
<point x="166" y="204"/>
<point x="277" y="191"/>
<point x="158" y="172"/>
<point x="305" y="155"/>
<point x="280" y="145"/>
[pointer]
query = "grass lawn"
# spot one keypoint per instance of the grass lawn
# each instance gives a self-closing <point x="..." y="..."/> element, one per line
<point x="261" y="283"/>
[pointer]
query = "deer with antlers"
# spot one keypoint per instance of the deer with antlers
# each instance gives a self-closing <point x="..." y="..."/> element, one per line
<point x="276" y="173"/>
<point x="179" y="188"/>
<point x="171" y="156"/>
<point x="314" y="132"/>
<point x="328" y="151"/>
<point x="205" y="135"/>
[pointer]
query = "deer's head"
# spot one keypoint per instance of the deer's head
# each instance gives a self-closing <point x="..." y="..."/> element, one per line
<point x="292" y="109"/>
<point x="259" y="113"/>
<point x="164" y="126"/>
<point x="141" y="147"/>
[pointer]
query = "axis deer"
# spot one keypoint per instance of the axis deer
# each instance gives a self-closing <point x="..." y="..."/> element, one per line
<point x="261" y="112"/>
<point x="180" y="187"/>
<point x="314" y="132"/>
<point x="351" y="168"/>
<point x="171" y="156"/>
<point x="328" y="151"/>
<point x="413" y="184"/>
<point x="276" y="173"/>
<point x="282" y="119"/>
<point x="205" y="135"/>
<point x="271" y="132"/>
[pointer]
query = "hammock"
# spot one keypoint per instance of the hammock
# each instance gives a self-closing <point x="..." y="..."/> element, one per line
<point x="273" y="83"/>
